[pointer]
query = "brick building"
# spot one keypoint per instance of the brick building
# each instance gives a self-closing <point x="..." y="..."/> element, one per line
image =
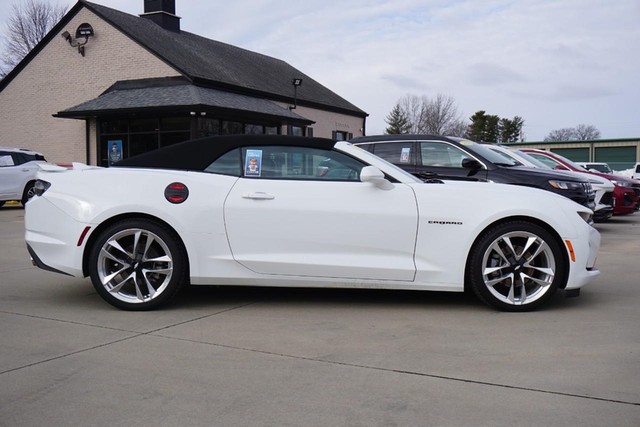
<point x="103" y="76"/>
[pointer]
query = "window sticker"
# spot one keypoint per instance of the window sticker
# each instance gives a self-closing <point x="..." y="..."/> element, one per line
<point x="404" y="155"/>
<point x="115" y="151"/>
<point x="253" y="163"/>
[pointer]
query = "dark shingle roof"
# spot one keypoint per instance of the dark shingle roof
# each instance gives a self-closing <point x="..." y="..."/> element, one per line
<point x="156" y="93"/>
<point x="217" y="64"/>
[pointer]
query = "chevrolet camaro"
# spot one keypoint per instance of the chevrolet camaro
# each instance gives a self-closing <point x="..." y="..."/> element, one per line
<point x="301" y="212"/>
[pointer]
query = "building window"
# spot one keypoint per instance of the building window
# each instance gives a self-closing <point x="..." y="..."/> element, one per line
<point x="137" y="136"/>
<point x="339" y="135"/>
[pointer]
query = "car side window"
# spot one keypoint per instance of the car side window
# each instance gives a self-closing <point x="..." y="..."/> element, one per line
<point x="440" y="154"/>
<point x="299" y="163"/>
<point x="6" y="160"/>
<point x="227" y="164"/>
<point x="396" y="153"/>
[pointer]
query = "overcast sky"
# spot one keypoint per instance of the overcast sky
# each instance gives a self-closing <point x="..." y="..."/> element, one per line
<point x="556" y="63"/>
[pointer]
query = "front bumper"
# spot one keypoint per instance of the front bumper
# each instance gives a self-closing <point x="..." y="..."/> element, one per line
<point x="584" y="270"/>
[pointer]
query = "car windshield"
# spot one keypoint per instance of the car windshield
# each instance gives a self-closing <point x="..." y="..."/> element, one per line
<point x="495" y="158"/>
<point x="599" y="167"/>
<point x="533" y="160"/>
<point x="571" y="163"/>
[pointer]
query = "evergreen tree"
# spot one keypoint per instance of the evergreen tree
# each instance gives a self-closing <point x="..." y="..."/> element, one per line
<point x="397" y="121"/>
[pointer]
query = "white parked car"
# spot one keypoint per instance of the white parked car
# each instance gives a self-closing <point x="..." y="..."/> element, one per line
<point x="301" y="212"/>
<point x="603" y="187"/>
<point x="596" y="167"/>
<point x="18" y="168"/>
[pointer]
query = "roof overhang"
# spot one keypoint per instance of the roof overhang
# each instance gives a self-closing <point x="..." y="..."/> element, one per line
<point x="177" y="96"/>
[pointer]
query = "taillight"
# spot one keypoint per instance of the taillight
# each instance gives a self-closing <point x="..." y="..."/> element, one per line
<point x="176" y="192"/>
<point x="40" y="187"/>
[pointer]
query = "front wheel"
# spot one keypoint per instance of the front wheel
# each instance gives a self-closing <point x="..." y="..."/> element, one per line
<point x="137" y="264"/>
<point x="516" y="266"/>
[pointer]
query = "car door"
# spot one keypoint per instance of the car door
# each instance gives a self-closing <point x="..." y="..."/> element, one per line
<point x="304" y="211"/>
<point x="446" y="161"/>
<point x="10" y="177"/>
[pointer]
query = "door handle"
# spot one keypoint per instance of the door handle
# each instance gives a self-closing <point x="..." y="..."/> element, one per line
<point x="258" y="196"/>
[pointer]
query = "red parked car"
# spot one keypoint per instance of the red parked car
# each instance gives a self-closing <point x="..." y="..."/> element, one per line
<point x="626" y="193"/>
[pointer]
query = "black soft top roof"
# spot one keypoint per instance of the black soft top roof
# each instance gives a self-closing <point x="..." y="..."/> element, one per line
<point x="197" y="154"/>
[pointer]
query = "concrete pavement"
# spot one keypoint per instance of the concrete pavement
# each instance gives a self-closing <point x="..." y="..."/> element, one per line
<point x="282" y="357"/>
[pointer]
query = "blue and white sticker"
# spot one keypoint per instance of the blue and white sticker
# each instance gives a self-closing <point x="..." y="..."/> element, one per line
<point x="404" y="155"/>
<point x="253" y="163"/>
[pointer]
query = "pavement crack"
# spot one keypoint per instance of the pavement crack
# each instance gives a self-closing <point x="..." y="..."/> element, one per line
<point x="413" y="373"/>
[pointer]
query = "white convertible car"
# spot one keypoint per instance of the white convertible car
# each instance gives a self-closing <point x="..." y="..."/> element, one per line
<point x="301" y="212"/>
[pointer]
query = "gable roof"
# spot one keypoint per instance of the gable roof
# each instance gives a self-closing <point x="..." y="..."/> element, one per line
<point x="210" y="63"/>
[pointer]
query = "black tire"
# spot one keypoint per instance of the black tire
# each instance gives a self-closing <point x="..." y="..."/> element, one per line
<point x="28" y="193"/>
<point x="1" y="203"/>
<point x="137" y="264"/>
<point x="521" y="279"/>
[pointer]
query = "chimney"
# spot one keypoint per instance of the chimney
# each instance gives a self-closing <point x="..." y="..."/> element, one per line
<point x="163" y="13"/>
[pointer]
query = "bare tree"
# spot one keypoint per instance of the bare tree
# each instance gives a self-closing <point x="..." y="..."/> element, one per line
<point x="438" y="116"/>
<point x="28" y="23"/>
<point x="412" y="108"/>
<point x="564" y="134"/>
<point x="586" y="132"/>
<point x="578" y="133"/>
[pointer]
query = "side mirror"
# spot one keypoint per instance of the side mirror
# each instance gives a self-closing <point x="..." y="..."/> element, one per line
<point x="472" y="164"/>
<point x="375" y="176"/>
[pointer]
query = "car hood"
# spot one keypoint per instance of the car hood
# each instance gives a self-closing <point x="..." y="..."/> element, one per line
<point x="544" y="173"/>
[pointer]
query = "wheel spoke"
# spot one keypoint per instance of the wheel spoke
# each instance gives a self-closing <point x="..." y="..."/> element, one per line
<point x="114" y="244"/>
<point x="112" y="257"/>
<point x="540" y="282"/>
<point x="119" y="286"/>
<point x="501" y="279"/>
<point x="498" y="250"/>
<point x="111" y="276"/>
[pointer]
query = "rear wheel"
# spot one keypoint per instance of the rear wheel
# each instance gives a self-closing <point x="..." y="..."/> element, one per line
<point x="137" y="264"/>
<point x="29" y="192"/>
<point x="516" y="266"/>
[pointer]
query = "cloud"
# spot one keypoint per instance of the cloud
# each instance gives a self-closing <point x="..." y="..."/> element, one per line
<point x="509" y="57"/>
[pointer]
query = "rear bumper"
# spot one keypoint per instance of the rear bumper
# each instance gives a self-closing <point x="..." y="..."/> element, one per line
<point x="53" y="248"/>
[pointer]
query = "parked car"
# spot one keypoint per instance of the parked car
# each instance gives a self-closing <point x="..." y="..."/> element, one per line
<point x="596" y="167"/>
<point x="265" y="211"/>
<point x="602" y="186"/>
<point x="626" y="193"/>
<point x="431" y="156"/>
<point x="18" y="168"/>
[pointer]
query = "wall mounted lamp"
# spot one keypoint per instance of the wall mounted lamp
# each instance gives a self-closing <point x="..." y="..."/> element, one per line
<point x="84" y="31"/>
<point x="295" y="82"/>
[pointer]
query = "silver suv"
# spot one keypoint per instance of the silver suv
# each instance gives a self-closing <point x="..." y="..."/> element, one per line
<point x="18" y="169"/>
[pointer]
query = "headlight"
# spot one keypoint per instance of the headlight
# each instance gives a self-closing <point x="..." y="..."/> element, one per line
<point x="622" y="183"/>
<point x="566" y="185"/>
<point x="40" y="187"/>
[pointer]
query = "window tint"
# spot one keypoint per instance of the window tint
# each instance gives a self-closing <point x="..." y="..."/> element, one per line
<point x="396" y="153"/>
<point x="303" y="163"/>
<point x="227" y="164"/>
<point x="441" y="155"/>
